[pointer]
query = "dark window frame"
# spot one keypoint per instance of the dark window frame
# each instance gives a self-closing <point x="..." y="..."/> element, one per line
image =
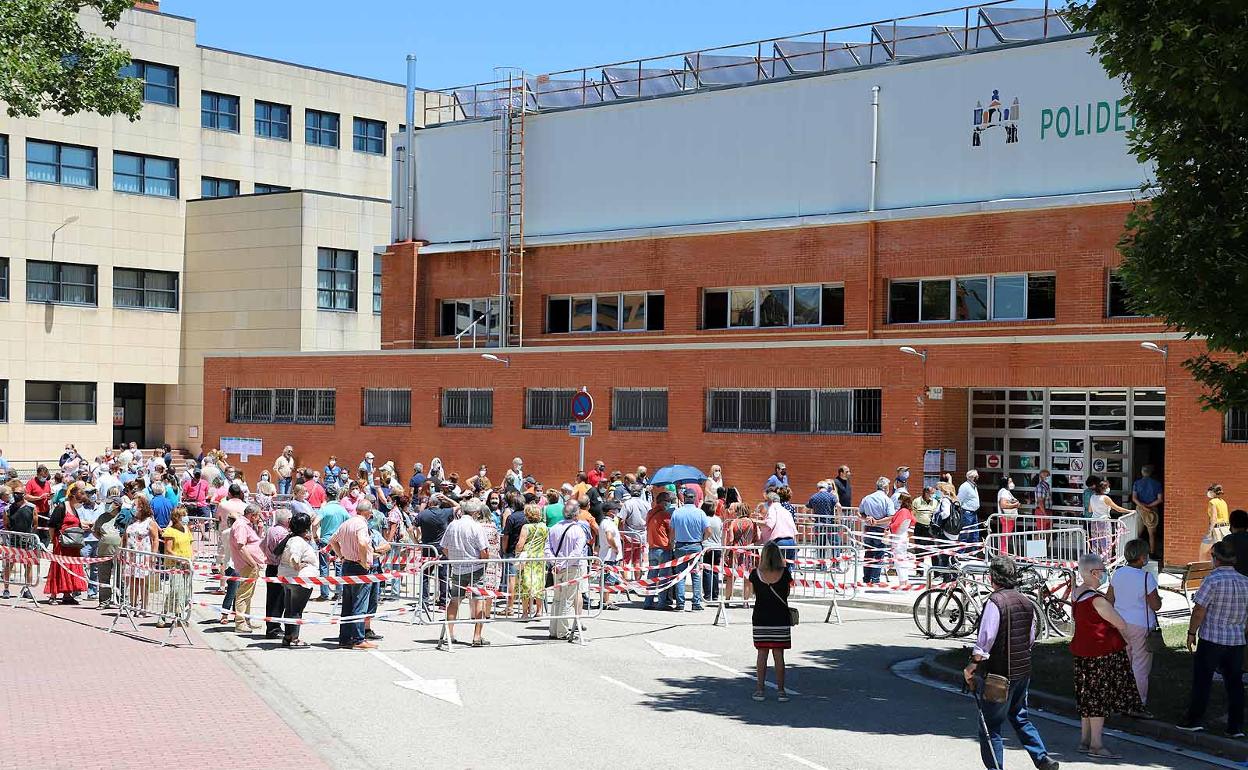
<point x="363" y="141"/>
<point x="5" y="279"/>
<point x="827" y="316"/>
<point x="139" y="69"/>
<point x="269" y="188"/>
<point x="651" y="299"/>
<point x="58" y="284"/>
<point x="214" y="110"/>
<point x="207" y="182"/>
<point x="318" y="135"/>
<point x="644" y="416"/>
<point x="4" y="156"/>
<point x="895" y="296"/>
<point x="4" y="401"/>
<point x="58" y="165"/>
<point x="333" y="271"/>
<point x="1112" y="280"/>
<point x="376" y="284"/>
<point x="796" y="411"/>
<point x="294" y="406"/>
<point x="538" y="416"/>
<point x="466" y="408"/>
<point x="145" y="291"/>
<point x="59" y="403"/>
<point x="1235" y="426"/>
<point x="387" y="407"/>
<point x="142" y="177"/>
<point x="269" y="122"/>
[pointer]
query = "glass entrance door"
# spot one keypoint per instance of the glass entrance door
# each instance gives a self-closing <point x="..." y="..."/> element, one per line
<point x="129" y="413"/>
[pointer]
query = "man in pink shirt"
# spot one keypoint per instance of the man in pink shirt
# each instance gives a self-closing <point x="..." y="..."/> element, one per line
<point x="249" y="561"/>
<point x="352" y="544"/>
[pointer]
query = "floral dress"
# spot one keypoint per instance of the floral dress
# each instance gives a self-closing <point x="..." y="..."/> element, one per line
<point x="533" y="573"/>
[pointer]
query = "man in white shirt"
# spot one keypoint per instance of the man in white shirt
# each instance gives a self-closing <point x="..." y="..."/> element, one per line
<point x="109" y="482"/>
<point x="968" y="493"/>
<point x="610" y="549"/>
<point x="464" y="539"/>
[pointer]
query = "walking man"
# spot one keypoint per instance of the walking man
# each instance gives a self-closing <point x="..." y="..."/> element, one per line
<point x="1218" y="614"/>
<point x="1007" y="632"/>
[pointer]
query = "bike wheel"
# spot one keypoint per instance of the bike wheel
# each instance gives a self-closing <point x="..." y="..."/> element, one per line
<point x="951" y="614"/>
<point x="1059" y="615"/>
<point x="932" y="613"/>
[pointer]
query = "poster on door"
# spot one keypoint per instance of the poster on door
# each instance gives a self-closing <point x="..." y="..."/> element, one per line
<point x="119" y="416"/>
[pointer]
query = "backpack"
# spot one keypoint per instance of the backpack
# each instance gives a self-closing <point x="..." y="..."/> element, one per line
<point x="951" y="527"/>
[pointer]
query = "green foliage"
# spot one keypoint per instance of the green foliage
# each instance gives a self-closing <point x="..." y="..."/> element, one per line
<point x="48" y="62"/>
<point x="1184" y="65"/>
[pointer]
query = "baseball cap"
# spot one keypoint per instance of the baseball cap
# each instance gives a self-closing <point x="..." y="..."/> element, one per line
<point x="689" y="493"/>
<point x="610" y="506"/>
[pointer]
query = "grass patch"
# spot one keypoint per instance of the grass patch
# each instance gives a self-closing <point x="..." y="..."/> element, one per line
<point x="1170" y="684"/>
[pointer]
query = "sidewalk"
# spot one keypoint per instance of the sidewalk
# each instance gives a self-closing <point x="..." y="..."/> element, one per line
<point x="78" y="698"/>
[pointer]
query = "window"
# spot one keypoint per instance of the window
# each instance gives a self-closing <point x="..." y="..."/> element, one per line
<point x="273" y="120"/>
<point x="61" y="283"/>
<point x="456" y="316"/>
<point x="65" y="164"/>
<point x="4" y="278"/>
<point x="336" y="279"/>
<point x="271" y="188"/>
<point x="627" y="312"/>
<point x="321" y="128"/>
<point x="467" y="408"/>
<point x="218" y="111"/>
<point x="998" y="297"/>
<point x="773" y="306"/>
<point x="639" y="409"/>
<point x="60" y="401"/>
<point x="4" y="155"/>
<point x="160" y="82"/>
<point x="1118" y="298"/>
<point x="376" y="284"/>
<point x="368" y="136"/>
<point x="794" y="410"/>
<point x="4" y="400"/>
<point x="211" y="187"/>
<point x="301" y="406"/>
<point x="145" y="289"/>
<point x="388" y="406"/>
<point x="145" y="175"/>
<point x="548" y="408"/>
<point x="1236" y="426"/>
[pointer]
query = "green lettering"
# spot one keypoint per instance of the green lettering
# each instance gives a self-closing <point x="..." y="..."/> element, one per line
<point x="1046" y="121"/>
<point x="1120" y="112"/>
<point x="1102" y="111"/>
<point x="1078" y="131"/>
<point x="1062" y="112"/>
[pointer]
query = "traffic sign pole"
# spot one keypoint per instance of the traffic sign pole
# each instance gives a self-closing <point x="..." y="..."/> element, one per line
<point x="582" y="408"/>
<point x="580" y="466"/>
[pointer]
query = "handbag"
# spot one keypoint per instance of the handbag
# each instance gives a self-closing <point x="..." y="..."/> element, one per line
<point x="1154" y="642"/>
<point x="73" y="538"/>
<point x="794" y="616"/>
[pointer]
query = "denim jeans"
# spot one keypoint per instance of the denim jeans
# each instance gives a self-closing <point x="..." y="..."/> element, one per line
<point x="1015" y="710"/>
<point x="710" y="578"/>
<point x="788" y="548"/>
<point x="283" y="486"/>
<point x="1227" y="660"/>
<point x="354" y="602"/>
<point x="324" y="560"/>
<point x="694" y="577"/>
<point x="231" y="588"/>
<point x="658" y="556"/>
<point x="873" y="540"/>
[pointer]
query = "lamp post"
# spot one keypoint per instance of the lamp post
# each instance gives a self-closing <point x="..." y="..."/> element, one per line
<point x="68" y="221"/>
<point x="505" y="361"/>
<point x="921" y="355"/>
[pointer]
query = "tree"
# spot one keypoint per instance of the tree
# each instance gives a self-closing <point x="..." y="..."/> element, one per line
<point x="1184" y="67"/>
<point x="48" y="62"/>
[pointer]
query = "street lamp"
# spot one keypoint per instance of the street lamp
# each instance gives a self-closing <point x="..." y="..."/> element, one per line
<point x="912" y="352"/>
<point x="496" y="359"/>
<point x="1164" y="350"/>
<point x="68" y="221"/>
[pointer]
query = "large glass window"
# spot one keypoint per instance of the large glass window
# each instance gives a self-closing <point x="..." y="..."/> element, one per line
<point x="336" y="278"/>
<point x="629" y="311"/>
<point x="145" y="289"/>
<point x="369" y="136"/>
<point x="273" y="120"/>
<point x="321" y="128"/>
<point x="773" y="307"/>
<point x="301" y="406"/>
<point x="4" y="400"/>
<point x="548" y="408"/>
<point x="218" y="111"/>
<point x="972" y="299"/>
<point x="60" y="401"/>
<point x="211" y="187"/>
<point x="270" y="188"/>
<point x="62" y="283"/>
<point x="1236" y="426"/>
<point x="1009" y="297"/>
<point x="903" y="302"/>
<point x="145" y="175"/>
<point x="376" y="284"/>
<point x="457" y="315"/>
<point x="934" y="300"/>
<point x="639" y="409"/>
<point x="160" y="81"/>
<point x="56" y="163"/>
<point x="391" y="407"/>
<point x="1041" y="296"/>
<point x="1118" y="298"/>
<point x="467" y="408"/>
<point x="999" y="298"/>
<point x="795" y="410"/>
<point x="4" y="278"/>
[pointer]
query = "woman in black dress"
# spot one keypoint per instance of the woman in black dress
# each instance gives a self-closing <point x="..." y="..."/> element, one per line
<point x="771" y="615"/>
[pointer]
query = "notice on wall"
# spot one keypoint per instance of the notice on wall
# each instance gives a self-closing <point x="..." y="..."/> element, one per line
<point x="931" y="461"/>
<point x="950" y="462"/>
<point x="232" y="445"/>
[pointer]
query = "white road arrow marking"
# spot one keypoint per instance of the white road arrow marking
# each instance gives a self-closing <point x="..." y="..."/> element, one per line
<point x="442" y="689"/>
<point x="674" y="651"/>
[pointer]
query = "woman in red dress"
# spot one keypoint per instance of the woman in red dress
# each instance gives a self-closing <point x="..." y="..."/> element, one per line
<point x="67" y="579"/>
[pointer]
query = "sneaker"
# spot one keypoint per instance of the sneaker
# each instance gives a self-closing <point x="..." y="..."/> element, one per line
<point x="1048" y="763"/>
<point x="372" y="635"/>
<point x="1236" y="734"/>
<point x="1188" y="728"/>
<point x="6" y="594"/>
<point x="365" y="645"/>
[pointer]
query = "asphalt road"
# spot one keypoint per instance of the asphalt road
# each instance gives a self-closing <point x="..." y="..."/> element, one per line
<point x="649" y="689"/>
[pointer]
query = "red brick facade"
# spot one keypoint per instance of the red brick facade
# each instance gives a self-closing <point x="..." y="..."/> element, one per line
<point x="1070" y="351"/>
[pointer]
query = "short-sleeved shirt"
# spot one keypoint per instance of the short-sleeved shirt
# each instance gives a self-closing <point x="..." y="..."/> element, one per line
<point x="433" y="523"/>
<point x="1238" y="541"/>
<point x="162" y="510"/>
<point x="22" y="518"/>
<point x="464" y="539"/>
<point x="511" y="530"/>
<point x="656" y="530"/>
<point x="1130" y="585"/>
<point x="609" y="531"/>
<point x="1224" y="595"/>
<point x="1147" y="488"/>
<point x="554" y="514"/>
<point x="181" y="542"/>
<point x="688" y="524"/>
<point x="823" y="505"/>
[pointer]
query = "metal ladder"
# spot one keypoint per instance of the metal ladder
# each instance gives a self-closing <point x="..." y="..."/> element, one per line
<point x="509" y="204"/>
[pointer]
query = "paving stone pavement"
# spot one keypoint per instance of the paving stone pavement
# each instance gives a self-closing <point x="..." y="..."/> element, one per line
<point x="76" y="697"/>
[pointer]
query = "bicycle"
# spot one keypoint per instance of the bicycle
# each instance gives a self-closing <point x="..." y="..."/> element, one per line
<point x="956" y="607"/>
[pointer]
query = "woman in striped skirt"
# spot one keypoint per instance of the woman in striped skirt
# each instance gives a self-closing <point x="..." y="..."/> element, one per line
<point x="771" y="615"/>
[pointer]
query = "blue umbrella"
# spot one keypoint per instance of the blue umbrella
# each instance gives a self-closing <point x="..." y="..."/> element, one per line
<point x="677" y="474"/>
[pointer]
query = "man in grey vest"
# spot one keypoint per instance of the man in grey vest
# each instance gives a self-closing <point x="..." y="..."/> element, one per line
<point x="1007" y="631"/>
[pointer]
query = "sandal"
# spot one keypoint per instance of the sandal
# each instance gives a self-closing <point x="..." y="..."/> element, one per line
<point x="783" y="697"/>
<point x="1083" y="748"/>
<point x="298" y="643"/>
<point x="480" y="642"/>
<point x="758" y="695"/>
<point x="1103" y="753"/>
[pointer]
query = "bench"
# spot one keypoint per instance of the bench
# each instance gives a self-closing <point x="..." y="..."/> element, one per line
<point x="1192" y="575"/>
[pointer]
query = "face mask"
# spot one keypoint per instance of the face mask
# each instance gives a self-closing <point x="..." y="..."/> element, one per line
<point x="481" y="474"/>
<point x="1103" y="579"/>
<point x="903" y="477"/>
<point x="937" y="495"/>
<point x="493" y="505"/>
<point x="1010" y="485"/>
<point x="669" y="507"/>
<point x="717" y="474"/>
<point x="1209" y="494"/>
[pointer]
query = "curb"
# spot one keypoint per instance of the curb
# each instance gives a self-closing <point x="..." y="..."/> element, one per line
<point x="1229" y="748"/>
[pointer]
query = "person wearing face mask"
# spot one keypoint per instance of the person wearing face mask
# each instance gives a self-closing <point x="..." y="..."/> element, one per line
<point x="779" y="478"/>
<point x="597" y="473"/>
<point x="1101" y="530"/>
<point x="38" y="491"/>
<point x="659" y="541"/>
<point x="1007" y="505"/>
<point x="714" y="482"/>
<point x="900" y="480"/>
<point x="481" y="482"/>
<point x="1133" y="592"/>
<point x="1219" y="517"/>
<point x="1043" y="497"/>
<point x="67" y="540"/>
<point x="265" y="490"/>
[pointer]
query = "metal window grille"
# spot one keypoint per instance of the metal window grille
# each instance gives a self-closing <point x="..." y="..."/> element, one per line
<point x="548" y="408"/>
<point x="868" y="411"/>
<point x="638" y="409"/>
<point x="793" y="411"/>
<point x="303" y="406"/>
<point x="467" y="408"/>
<point x="834" y="411"/>
<point x="798" y="410"/>
<point x="1236" y="426"/>
<point x="388" y="406"/>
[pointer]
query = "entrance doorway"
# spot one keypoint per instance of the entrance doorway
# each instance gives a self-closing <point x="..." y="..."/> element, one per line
<point x="129" y="413"/>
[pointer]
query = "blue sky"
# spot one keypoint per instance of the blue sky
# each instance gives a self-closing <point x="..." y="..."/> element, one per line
<point x="461" y="42"/>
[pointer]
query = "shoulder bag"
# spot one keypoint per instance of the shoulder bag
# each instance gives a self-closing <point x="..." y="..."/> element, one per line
<point x="550" y="569"/>
<point x="794" y="616"/>
<point x="73" y="538"/>
<point x="1154" y="642"/>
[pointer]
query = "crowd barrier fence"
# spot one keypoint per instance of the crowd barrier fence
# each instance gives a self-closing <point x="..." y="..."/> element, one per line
<point x="146" y="583"/>
<point x="20" y="557"/>
<point x="1106" y="537"/>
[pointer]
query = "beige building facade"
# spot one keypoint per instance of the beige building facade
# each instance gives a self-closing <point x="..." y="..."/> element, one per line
<point x="154" y="218"/>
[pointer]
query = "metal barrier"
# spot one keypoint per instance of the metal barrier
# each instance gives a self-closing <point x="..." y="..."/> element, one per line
<point x="408" y="558"/>
<point x="1049" y="547"/>
<point x="1107" y="537"/>
<point x="820" y="572"/>
<point x="19" y="553"/>
<point x="205" y="537"/>
<point x="580" y="575"/>
<point x="146" y="583"/>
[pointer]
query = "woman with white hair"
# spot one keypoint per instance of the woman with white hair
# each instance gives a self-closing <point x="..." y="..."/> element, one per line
<point x="1104" y="683"/>
<point x="436" y="472"/>
<point x="778" y="525"/>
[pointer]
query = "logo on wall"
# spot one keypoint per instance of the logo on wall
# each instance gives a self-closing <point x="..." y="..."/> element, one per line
<point x="994" y="116"/>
